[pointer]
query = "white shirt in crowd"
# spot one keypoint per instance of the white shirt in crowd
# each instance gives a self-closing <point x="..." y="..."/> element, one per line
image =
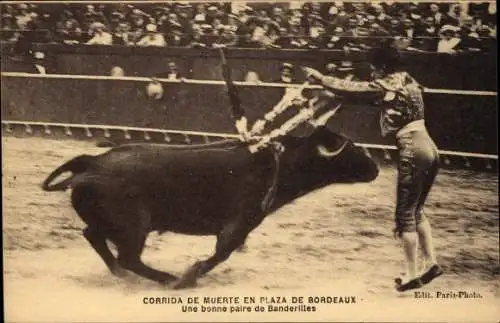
<point x="448" y="45"/>
<point x="152" y="40"/>
<point x="102" y="38"/>
<point x="41" y="69"/>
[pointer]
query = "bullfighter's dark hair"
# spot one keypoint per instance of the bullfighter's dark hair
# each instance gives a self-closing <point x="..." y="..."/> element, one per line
<point x="386" y="57"/>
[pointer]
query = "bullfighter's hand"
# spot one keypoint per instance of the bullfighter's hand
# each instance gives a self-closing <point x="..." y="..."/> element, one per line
<point x="258" y="127"/>
<point x="311" y="73"/>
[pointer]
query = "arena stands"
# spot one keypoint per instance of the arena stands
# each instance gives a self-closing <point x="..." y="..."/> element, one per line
<point x="416" y="26"/>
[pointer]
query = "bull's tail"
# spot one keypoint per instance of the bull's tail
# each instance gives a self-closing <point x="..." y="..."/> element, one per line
<point x="77" y="165"/>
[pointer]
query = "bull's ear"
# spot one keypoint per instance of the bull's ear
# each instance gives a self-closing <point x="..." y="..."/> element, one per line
<point x="327" y="153"/>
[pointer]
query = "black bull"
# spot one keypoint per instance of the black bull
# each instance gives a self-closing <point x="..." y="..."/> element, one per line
<point x="213" y="189"/>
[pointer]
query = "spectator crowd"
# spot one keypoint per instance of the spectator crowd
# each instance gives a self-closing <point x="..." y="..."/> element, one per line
<point x="415" y="26"/>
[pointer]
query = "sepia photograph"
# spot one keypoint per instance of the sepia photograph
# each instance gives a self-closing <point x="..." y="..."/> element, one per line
<point x="249" y="161"/>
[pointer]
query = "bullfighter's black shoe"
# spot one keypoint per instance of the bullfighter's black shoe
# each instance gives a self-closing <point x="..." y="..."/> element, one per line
<point x="412" y="284"/>
<point x="429" y="275"/>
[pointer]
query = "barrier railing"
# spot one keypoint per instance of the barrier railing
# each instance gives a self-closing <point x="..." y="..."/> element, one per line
<point x="120" y="134"/>
<point x="215" y="82"/>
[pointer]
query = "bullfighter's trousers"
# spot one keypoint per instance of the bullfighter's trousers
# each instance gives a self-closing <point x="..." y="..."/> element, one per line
<point x="418" y="166"/>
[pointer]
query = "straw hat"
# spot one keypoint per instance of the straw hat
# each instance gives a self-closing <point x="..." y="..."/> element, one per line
<point x="448" y="28"/>
<point x="345" y="66"/>
<point x="39" y="55"/>
<point x="151" y="28"/>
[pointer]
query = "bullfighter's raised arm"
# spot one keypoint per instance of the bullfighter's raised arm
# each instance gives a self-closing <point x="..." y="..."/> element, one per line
<point x="345" y="86"/>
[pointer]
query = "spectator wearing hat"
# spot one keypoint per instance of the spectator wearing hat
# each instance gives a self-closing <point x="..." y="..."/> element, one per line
<point x="70" y="32"/>
<point x="283" y="39"/>
<point x="336" y="39"/>
<point x="172" y="72"/>
<point x="93" y="15"/>
<point x="345" y="70"/>
<point x="8" y="18"/>
<point x="200" y="15"/>
<point x="176" y="37"/>
<point x="256" y="25"/>
<point x="487" y="41"/>
<point x="39" y="65"/>
<point x="338" y="15"/>
<point x="138" y="24"/>
<point x="271" y="36"/>
<point x="438" y="18"/>
<point x="227" y="37"/>
<point x="233" y="22"/>
<point x="24" y="16"/>
<point x="287" y="74"/>
<point x="194" y="39"/>
<point x="278" y="16"/>
<point x="449" y="41"/>
<point x="122" y="35"/>
<point x="456" y="16"/>
<point x="152" y="38"/>
<point x="330" y="69"/>
<point x="426" y="39"/>
<point x="380" y="15"/>
<point x="100" y="37"/>
<point x="405" y="40"/>
<point x="211" y="14"/>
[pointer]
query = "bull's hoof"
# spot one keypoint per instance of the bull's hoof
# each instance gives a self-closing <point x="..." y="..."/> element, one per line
<point x="188" y="279"/>
<point x="119" y="271"/>
<point x="242" y="248"/>
<point x="182" y="283"/>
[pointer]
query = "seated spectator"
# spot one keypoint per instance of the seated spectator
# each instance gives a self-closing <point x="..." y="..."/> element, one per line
<point x="380" y="15"/>
<point x="152" y="38"/>
<point x="406" y="39"/>
<point x="227" y="37"/>
<point x="438" y="18"/>
<point x="24" y="16"/>
<point x="336" y="40"/>
<point x="427" y="38"/>
<point x="196" y="40"/>
<point x="138" y="25"/>
<point x="487" y="41"/>
<point x="176" y="37"/>
<point x="278" y="16"/>
<point x="71" y="33"/>
<point x="122" y="35"/>
<point x="100" y="37"/>
<point x="93" y="15"/>
<point x="200" y="14"/>
<point x="317" y="30"/>
<point x="271" y="36"/>
<point x="276" y="25"/>
<point x="456" y="16"/>
<point x="449" y="41"/>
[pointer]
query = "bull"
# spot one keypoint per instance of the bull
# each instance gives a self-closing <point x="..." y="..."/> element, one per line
<point x="219" y="189"/>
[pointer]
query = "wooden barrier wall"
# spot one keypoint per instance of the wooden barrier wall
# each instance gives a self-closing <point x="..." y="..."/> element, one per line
<point x="457" y="122"/>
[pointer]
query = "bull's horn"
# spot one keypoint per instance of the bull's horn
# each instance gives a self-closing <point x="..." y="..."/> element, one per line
<point x="323" y="151"/>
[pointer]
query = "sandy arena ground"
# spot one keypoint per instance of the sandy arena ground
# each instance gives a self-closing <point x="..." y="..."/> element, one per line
<point x="334" y="242"/>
